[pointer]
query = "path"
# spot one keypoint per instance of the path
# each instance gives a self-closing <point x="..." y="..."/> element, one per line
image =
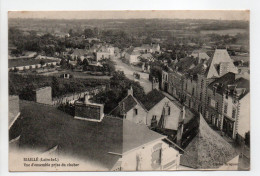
<point x="129" y="71"/>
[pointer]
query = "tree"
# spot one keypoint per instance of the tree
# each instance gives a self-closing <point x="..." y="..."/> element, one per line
<point x="63" y="63"/>
<point x="71" y="32"/>
<point x="55" y="86"/>
<point x="42" y="62"/>
<point x="88" y="33"/>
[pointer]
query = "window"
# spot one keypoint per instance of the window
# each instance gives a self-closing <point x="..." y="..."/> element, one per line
<point x="200" y="96"/>
<point x="216" y="106"/>
<point x="167" y="110"/>
<point x="225" y="108"/>
<point x="234" y="100"/>
<point x="154" y="117"/>
<point x="214" y="91"/>
<point x="193" y="91"/>
<point x="234" y="113"/>
<point x="135" y="111"/>
<point x="208" y="100"/>
<point x="226" y="94"/>
<point x="202" y="83"/>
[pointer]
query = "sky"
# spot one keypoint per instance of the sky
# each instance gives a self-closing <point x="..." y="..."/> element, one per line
<point x="174" y="14"/>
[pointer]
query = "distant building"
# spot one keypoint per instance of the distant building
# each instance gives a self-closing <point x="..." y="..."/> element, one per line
<point x="187" y="80"/>
<point x="79" y="53"/>
<point x="105" y="52"/>
<point x="201" y="55"/>
<point x="131" y="56"/>
<point x="146" y="57"/>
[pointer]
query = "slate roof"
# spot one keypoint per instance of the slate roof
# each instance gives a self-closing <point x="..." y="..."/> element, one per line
<point x="229" y="81"/>
<point x="200" y="54"/>
<point x="146" y="56"/>
<point x="207" y="150"/>
<point x="184" y="64"/>
<point x="220" y="56"/>
<point x="44" y="127"/>
<point x="136" y="135"/>
<point x="129" y="102"/>
<point x="222" y="82"/>
<point x="152" y="98"/>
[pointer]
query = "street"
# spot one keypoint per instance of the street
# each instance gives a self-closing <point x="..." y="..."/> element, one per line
<point x="129" y="71"/>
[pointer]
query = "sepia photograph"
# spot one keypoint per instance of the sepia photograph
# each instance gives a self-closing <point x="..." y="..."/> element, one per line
<point x="144" y="90"/>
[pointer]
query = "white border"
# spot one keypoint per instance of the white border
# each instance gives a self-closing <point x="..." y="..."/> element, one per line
<point x="253" y="5"/>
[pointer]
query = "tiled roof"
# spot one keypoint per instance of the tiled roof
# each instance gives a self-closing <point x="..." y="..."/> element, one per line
<point x="152" y="98"/>
<point x="79" y="52"/>
<point x="223" y="82"/>
<point x="207" y="150"/>
<point x="44" y="127"/>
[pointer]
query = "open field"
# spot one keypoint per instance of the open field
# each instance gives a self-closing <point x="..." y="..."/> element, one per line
<point x="231" y="32"/>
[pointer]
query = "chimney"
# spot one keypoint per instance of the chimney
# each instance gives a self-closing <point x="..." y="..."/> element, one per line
<point x="181" y="126"/>
<point x="130" y="91"/>
<point x="89" y="111"/>
<point x="155" y="83"/>
<point x="87" y="97"/>
<point x="123" y="110"/>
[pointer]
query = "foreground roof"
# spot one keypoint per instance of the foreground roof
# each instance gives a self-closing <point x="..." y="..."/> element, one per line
<point x="45" y="127"/>
<point x="152" y="98"/>
<point x="128" y="103"/>
<point x="207" y="150"/>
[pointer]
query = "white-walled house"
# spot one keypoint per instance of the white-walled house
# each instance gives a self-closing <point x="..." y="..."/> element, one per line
<point x="150" y="111"/>
<point x="236" y="108"/>
<point x="152" y="152"/>
<point x="131" y="109"/>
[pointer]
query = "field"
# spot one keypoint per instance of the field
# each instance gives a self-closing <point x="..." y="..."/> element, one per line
<point x="231" y="32"/>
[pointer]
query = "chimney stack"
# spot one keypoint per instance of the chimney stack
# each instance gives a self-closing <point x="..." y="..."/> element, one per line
<point x="181" y="126"/>
<point x="155" y="83"/>
<point x="87" y="97"/>
<point x="130" y="91"/>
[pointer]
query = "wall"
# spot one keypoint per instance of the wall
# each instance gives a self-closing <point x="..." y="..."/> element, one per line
<point x="134" y="59"/>
<point x="140" y="118"/>
<point x="104" y="55"/>
<point x="243" y="119"/>
<point x="44" y="95"/>
<point x="14" y="109"/>
<point x="214" y="114"/>
<point x="157" y="110"/>
<point x="170" y="157"/>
